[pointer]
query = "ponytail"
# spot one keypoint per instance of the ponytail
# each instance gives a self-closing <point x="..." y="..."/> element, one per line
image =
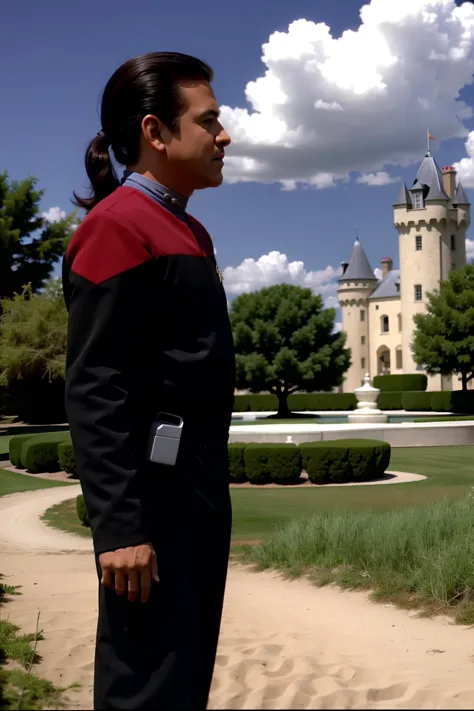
<point x="100" y="172"/>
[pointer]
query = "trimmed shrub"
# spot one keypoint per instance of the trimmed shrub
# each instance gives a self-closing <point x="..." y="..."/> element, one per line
<point x="298" y="402"/>
<point x="81" y="509"/>
<point x="416" y="401"/>
<point x="39" y="454"/>
<point x="15" y="445"/>
<point x="255" y="403"/>
<point x="236" y="462"/>
<point x="340" y="461"/>
<point x="284" y="463"/>
<point x="258" y="461"/>
<point x="462" y="402"/>
<point x="390" y="401"/>
<point x="67" y="460"/>
<point x="398" y="383"/>
<point x="441" y="401"/>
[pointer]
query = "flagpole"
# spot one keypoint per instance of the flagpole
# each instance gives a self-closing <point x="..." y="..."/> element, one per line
<point x="428" y="138"/>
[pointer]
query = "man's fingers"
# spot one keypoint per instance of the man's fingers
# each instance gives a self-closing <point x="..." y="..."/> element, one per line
<point x="120" y="583"/>
<point x="107" y="578"/>
<point x="154" y="568"/>
<point x="133" y="579"/>
<point x="145" y="584"/>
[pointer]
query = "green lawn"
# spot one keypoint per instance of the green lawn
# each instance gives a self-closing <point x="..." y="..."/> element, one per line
<point x="450" y="472"/>
<point x="13" y="482"/>
<point x="257" y="512"/>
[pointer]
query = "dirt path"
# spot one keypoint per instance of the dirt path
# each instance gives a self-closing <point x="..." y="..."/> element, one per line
<point x="283" y="644"/>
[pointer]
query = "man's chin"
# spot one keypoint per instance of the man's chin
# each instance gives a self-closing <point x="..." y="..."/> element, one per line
<point x="211" y="181"/>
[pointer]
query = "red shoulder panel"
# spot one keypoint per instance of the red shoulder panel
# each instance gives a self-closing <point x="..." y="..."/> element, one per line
<point x="128" y="228"/>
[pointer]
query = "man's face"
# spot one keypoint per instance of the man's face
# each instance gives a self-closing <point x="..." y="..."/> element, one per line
<point x="195" y="151"/>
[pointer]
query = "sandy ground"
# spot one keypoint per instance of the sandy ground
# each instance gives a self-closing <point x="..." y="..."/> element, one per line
<point x="283" y="644"/>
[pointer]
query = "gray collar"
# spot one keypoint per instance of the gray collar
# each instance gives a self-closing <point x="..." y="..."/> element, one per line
<point x="168" y="198"/>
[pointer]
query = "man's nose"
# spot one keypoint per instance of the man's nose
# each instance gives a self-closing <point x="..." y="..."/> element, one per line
<point x="223" y="139"/>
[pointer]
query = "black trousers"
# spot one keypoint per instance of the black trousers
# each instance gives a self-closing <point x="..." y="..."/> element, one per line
<point x="161" y="654"/>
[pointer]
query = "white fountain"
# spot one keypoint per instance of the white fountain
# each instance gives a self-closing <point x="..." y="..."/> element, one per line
<point x="367" y="410"/>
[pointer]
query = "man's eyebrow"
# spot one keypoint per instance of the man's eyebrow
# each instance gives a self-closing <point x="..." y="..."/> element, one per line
<point x="215" y="113"/>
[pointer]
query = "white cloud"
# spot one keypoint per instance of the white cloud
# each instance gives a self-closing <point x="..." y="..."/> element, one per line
<point x="275" y="268"/>
<point x="469" y="250"/>
<point x="465" y="167"/>
<point x="378" y="273"/>
<point x="327" y="107"/>
<point x="377" y="179"/>
<point x="54" y="214"/>
<point x="337" y="327"/>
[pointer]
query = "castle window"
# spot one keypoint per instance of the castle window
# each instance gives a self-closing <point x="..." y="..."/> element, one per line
<point x="384" y="324"/>
<point x="453" y="241"/>
<point x="417" y="199"/>
<point x="362" y="362"/>
<point x="418" y="292"/>
<point x="399" y="358"/>
<point x="418" y="243"/>
<point x="362" y="315"/>
<point x="399" y="317"/>
<point x="362" y="340"/>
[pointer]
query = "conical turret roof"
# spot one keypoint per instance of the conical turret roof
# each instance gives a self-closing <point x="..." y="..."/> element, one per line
<point x="359" y="268"/>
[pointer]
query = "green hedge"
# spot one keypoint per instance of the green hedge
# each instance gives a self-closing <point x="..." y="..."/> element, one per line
<point x="284" y="463"/>
<point x="401" y="383"/>
<point x="299" y="402"/>
<point x="15" y="445"/>
<point x="462" y="402"/>
<point x="39" y="454"/>
<point x="236" y="462"/>
<point x="416" y="401"/>
<point x="441" y="401"/>
<point x="341" y="461"/>
<point x="267" y="463"/>
<point x="390" y="401"/>
<point x="67" y="460"/>
<point x="81" y="509"/>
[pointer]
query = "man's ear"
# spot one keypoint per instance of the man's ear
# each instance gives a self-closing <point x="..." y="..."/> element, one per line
<point x="154" y="132"/>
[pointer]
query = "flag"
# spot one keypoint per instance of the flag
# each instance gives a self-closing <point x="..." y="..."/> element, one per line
<point x="431" y="137"/>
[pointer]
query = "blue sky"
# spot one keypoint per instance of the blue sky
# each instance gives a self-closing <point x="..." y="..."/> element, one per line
<point x="57" y="57"/>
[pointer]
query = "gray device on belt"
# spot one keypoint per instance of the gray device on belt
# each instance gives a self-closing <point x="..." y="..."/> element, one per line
<point x="165" y="438"/>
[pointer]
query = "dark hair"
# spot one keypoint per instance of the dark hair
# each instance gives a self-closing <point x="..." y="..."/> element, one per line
<point x="147" y="84"/>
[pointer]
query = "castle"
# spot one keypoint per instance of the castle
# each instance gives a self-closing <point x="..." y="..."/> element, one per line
<point x="431" y="218"/>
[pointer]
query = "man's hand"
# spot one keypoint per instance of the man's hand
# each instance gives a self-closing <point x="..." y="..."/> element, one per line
<point x="130" y="570"/>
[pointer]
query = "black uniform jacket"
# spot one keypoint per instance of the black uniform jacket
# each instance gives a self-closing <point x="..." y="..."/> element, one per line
<point x="149" y="331"/>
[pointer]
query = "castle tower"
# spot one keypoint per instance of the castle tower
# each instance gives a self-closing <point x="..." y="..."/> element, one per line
<point x="355" y="286"/>
<point x="432" y="219"/>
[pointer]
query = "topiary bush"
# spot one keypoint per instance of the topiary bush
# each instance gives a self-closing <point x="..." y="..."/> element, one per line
<point x="235" y="450"/>
<point x="297" y="402"/>
<point x="81" y="509"/>
<point x="15" y="445"/>
<point x="462" y="402"/>
<point x="441" y="401"/>
<point x="256" y="463"/>
<point x="390" y="401"/>
<point x="341" y="461"/>
<point x="393" y="383"/>
<point x="416" y="401"/>
<point x="67" y="460"/>
<point x="284" y="463"/>
<point x="280" y="463"/>
<point x="39" y="454"/>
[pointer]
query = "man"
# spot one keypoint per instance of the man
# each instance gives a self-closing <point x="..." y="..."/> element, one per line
<point x="149" y="333"/>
